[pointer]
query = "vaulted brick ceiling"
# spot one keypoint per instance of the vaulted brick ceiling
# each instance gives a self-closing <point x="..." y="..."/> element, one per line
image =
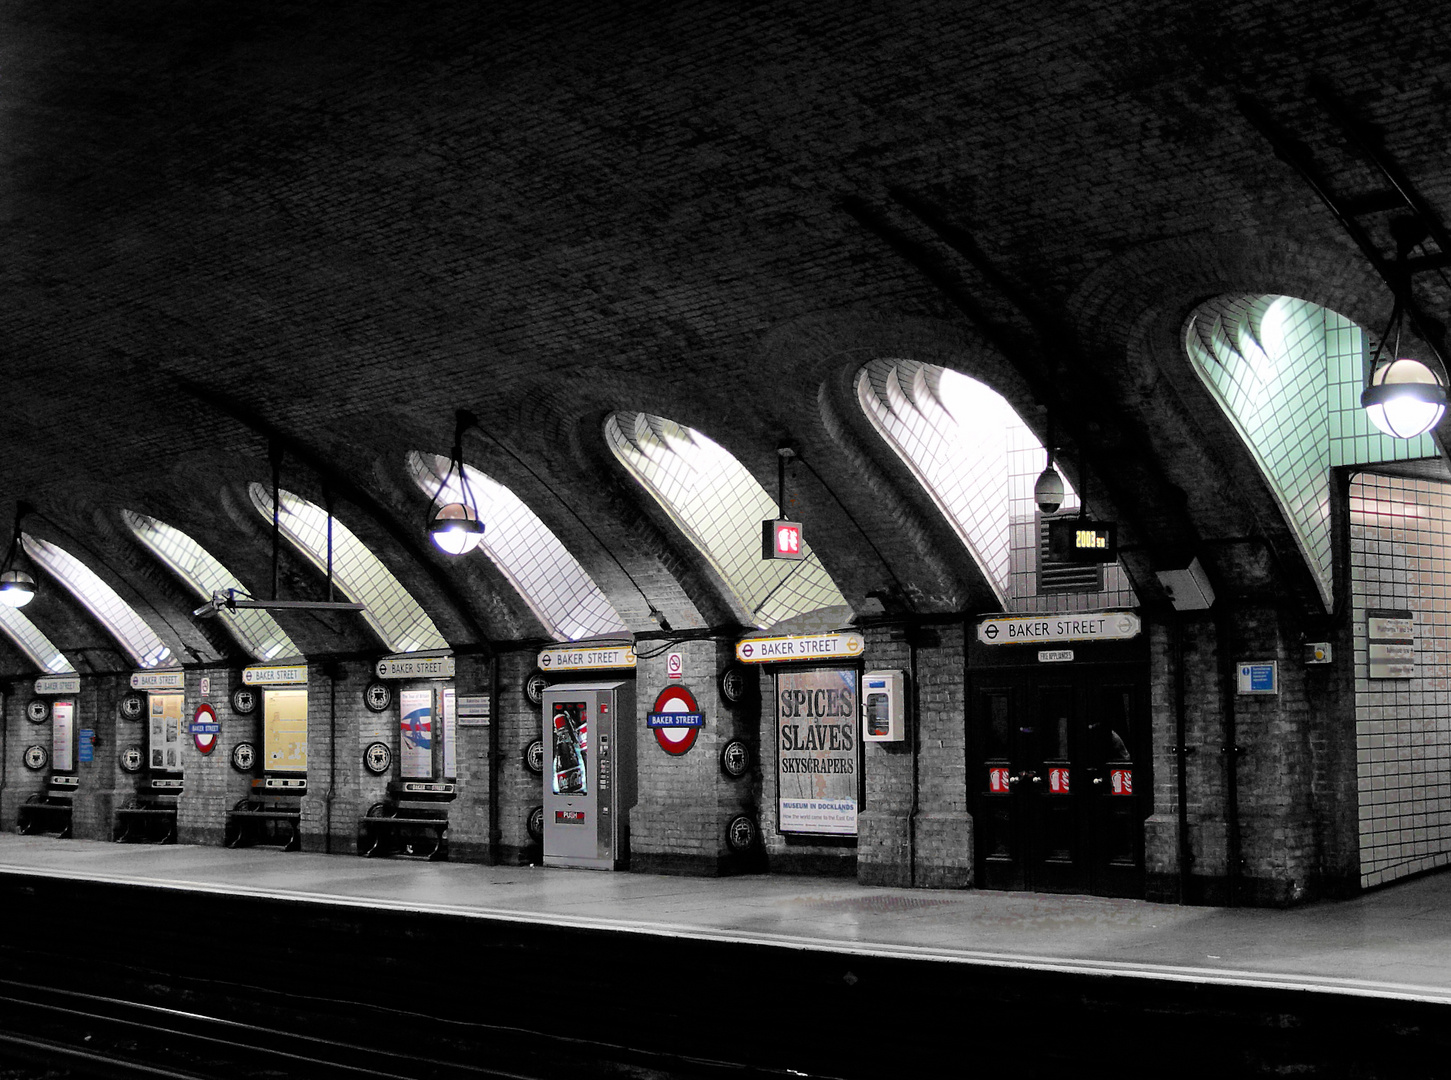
<point x="333" y="225"/>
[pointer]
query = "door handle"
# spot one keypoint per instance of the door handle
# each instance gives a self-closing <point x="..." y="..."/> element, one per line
<point x="1097" y="780"/>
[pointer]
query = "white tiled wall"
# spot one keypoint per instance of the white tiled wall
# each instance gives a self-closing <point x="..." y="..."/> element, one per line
<point x="719" y="505"/>
<point x="1289" y="373"/>
<point x="1400" y="543"/>
<point x="978" y="461"/>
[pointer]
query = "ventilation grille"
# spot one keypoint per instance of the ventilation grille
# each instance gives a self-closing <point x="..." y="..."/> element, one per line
<point x="1059" y="575"/>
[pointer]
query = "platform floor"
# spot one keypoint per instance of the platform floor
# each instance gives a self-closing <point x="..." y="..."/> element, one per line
<point x="1391" y="943"/>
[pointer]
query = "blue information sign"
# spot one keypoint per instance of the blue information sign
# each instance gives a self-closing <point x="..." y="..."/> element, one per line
<point x="87" y="746"/>
<point x="674" y="719"/>
<point x="1258" y="677"/>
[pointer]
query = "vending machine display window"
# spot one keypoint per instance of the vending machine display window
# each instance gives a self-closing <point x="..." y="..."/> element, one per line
<point x="571" y="748"/>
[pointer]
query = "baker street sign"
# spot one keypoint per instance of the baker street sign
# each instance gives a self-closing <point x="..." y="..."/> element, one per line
<point x="1038" y="629"/>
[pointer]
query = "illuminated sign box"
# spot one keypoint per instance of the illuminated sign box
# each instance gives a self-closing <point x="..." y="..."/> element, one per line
<point x="1082" y="540"/>
<point x="782" y="540"/>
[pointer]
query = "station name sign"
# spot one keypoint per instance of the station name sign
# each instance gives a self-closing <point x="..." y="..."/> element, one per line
<point x="766" y="650"/>
<point x="607" y="656"/>
<point x="274" y="675"/>
<point x="410" y="666"/>
<point x="1036" y="629"/>
<point x="58" y="684"/>
<point x="158" y="680"/>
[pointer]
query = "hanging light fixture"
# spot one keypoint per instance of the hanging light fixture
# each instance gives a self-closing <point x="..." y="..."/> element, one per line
<point x="17" y="586"/>
<point x="455" y="526"/>
<point x="1403" y="397"/>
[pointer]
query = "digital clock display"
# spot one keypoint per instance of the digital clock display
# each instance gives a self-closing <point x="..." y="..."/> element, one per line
<point x="1082" y="540"/>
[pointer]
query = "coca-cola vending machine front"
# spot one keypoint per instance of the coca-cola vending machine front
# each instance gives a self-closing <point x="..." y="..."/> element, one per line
<point x="590" y="787"/>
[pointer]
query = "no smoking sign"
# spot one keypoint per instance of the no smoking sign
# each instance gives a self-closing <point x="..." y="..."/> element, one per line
<point x="675" y="666"/>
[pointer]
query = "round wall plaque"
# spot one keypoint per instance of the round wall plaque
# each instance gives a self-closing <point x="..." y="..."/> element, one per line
<point x="38" y="710"/>
<point x="535" y="824"/>
<point x="378" y="696"/>
<point x="733" y="683"/>
<point x="36" y="756"/>
<point x="741" y="833"/>
<point x="244" y="756"/>
<point x="244" y="700"/>
<point x="735" y="759"/>
<point x="534" y="756"/>
<point x="378" y="758"/>
<point x="132" y="706"/>
<point x="534" y="687"/>
<point x="132" y="758"/>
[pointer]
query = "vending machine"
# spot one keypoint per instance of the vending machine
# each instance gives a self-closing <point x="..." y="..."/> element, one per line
<point x="589" y="775"/>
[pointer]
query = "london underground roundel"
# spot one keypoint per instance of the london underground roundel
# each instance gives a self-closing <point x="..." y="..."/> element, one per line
<point x="676" y="720"/>
<point x="204" y="728"/>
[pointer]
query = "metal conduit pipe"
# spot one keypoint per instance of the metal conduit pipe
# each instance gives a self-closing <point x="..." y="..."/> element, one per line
<point x="916" y="722"/>
<point x="495" y="832"/>
<point x="1229" y="750"/>
<point x="1181" y="752"/>
<point x="331" y="668"/>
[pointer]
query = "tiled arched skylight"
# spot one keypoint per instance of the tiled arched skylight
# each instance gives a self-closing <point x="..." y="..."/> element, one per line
<point x="255" y="630"/>
<point x="33" y="643"/>
<point x="978" y="461"/>
<point x="136" y="637"/>
<point x="720" y="507"/>
<point x="394" y="615"/>
<point x="557" y="589"/>
<point x="1288" y="374"/>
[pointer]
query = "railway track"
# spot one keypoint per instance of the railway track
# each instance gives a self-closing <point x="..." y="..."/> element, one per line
<point x="174" y="984"/>
<point x="238" y="1032"/>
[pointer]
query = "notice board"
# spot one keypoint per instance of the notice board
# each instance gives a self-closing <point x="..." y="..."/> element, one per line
<point x="284" y="730"/>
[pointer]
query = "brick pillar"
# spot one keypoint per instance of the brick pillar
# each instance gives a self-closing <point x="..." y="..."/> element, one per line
<point x="929" y="845"/>
<point x="209" y="784"/>
<point x="19" y="782"/>
<point x="470" y="823"/>
<point x="97" y="796"/>
<point x="516" y="723"/>
<point x="685" y="801"/>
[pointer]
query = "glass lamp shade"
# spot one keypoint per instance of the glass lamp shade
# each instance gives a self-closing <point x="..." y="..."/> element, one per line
<point x="17" y="588"/>
<point x="1048" y="491"/>
<point x="1404" y="399"/>
<point x="456" y="529"/>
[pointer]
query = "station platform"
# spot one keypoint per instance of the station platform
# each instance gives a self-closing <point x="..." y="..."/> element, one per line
<point x="1393" y="943"/>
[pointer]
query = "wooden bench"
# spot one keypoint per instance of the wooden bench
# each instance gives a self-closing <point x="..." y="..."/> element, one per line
<point x="254" y="822"/>
<point x="42" y="813"/>
<point x="148" y="822"/>
<point x="388" y="830"/>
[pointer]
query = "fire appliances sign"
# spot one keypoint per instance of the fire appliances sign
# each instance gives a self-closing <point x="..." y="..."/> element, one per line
<point x="817" y="753"/>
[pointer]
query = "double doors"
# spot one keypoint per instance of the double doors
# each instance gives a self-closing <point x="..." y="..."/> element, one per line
<point x="1059" y="759"/>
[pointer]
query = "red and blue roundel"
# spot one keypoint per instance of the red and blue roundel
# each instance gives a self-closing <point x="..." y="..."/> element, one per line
<point x="205" y="728"/>
<point x="676" y="720"/>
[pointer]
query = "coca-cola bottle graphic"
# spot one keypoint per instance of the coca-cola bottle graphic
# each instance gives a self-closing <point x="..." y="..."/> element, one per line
<point x="570" y="748"/>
